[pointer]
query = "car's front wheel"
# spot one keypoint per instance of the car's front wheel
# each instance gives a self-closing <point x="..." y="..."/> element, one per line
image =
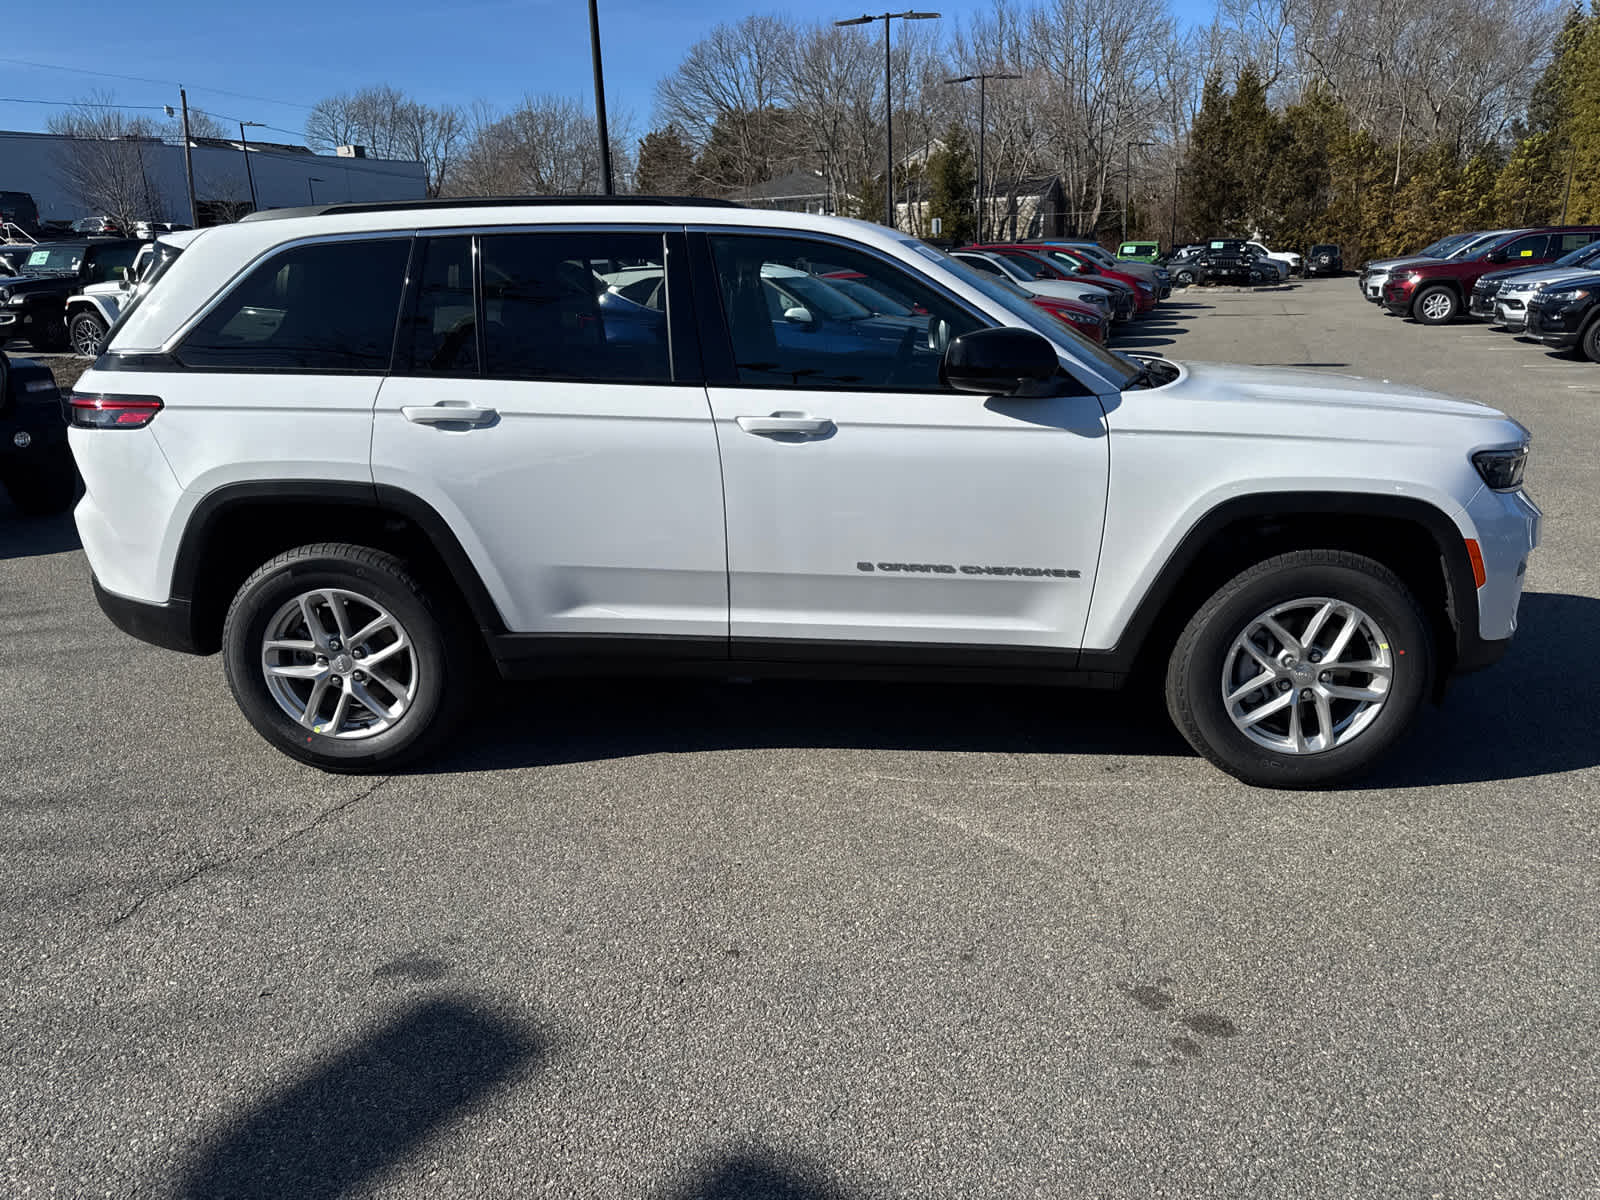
<point x="1435" y="306"/>
<point x="341" y="659"/>
<point x="87" y="333"/>
<point x="1184" y="277"/>
<point x="1301" y="671"/>
<point x="1589" y="342"/>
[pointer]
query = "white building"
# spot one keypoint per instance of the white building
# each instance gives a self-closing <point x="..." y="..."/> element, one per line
<point x="284" y="175"/>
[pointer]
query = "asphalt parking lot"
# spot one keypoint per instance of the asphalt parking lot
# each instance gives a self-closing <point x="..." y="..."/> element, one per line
<point x="682" y="940"/>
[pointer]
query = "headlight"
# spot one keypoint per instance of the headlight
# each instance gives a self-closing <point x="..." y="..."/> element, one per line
<point x="1502" y="469"/>
<point x="1568" y="296"/>
<point x="5" y="295"/>
<point x="1412" y="276"/>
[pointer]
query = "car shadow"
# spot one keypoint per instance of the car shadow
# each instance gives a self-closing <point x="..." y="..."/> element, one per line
<point x="566" y="721"/>
<point x="352" y="1115"/>
<point x="1527" y="716"/>
<point x="1531" y="714"/>
<point x="27" y="537"/>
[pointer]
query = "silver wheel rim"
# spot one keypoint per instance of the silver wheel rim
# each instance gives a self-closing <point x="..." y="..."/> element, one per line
<point x="1436" y="307"/>
<point x="339" y="664"/>
<point x="86" y="337"/>
<point x="1307" y="675"/>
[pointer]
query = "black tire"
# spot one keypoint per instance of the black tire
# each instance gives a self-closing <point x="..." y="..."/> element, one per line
<point x="1196" y="670"/>
<point x="87" y="329"/>
<point x="1589" y="340"/>
<point x="1429" y="298"/>
<point x="438" y="630"/>
<point x="47" y="483"/>
<point x="51" y="337"/>
<point x="1184" y="277"/>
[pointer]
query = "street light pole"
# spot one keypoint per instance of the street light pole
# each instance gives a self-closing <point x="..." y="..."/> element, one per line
<point x="983" y="78"/>
<point x="1127" y="180"/>
<point x="600" y="100"/>
<point x="244" y="145"/>
<point x="888" y="100"/>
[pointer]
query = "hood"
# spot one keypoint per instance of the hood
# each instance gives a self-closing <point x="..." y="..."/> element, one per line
<point x="37" y="282"/>
<point x="1285" y="385"/>
<point x="1539" y="276"/>
<point x="1389" y="264"/>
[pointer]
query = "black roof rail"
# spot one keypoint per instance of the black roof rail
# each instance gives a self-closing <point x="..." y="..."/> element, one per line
<point x="375" y="206"/>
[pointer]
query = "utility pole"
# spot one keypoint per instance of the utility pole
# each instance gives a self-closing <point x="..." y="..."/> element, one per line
<point x="188" y="160"/>
<point x="600" y="100"/>
<point x="981" y="190"/>
<point x="888" y="101"/>
<point x="1172" y="236"/>
<point x="1127" y="180"/>
<point x="249" y="174"/>
<point x="1572" y="164"/>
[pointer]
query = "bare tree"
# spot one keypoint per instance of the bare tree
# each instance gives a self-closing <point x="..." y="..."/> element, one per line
<point x="109" y="160"/>
<point x="391" y="125"/>
<point x="547" y="145"/>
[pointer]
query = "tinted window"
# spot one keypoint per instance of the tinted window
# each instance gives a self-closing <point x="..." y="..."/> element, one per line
<point x="325" y="307"/>
<point x="554" y="307"/>
<point x="791" y="327"/>
<point x="978" y="263"/>
<point x="1031" y="267"/>
<point x="104" y="264"/>
<point x="1532" y="246"/>
<point x="1566" y="243"/>
<point x="442" y="334"/>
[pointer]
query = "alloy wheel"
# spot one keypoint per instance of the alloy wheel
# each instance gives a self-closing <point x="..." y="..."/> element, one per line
<point x="339" y="664"/>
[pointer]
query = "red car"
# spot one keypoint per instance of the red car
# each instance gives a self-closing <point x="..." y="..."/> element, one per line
<point x="1073" y="264"/>
<point x="1078" y="317"/>
<point x="1436" y="292"/>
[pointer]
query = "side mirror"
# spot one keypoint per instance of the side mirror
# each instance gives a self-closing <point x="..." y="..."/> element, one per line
<point x="1495" y="256"/>
<point x="999" y="362"/>
<point x="798" y="315"/>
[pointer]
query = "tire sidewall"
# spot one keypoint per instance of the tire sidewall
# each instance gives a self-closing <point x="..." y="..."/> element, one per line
<point x="1589" y="342"/>
<point x="1410" y="648"/>
<point x="245" y="630"/>
<point x="85" y="318"/>
<point x="1423" y="318"/>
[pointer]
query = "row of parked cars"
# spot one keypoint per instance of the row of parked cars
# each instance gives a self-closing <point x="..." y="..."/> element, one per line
<point x="1080" y="283"/>
<point x="1542" y="283"/>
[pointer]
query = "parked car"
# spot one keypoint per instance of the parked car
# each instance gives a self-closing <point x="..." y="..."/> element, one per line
<point x="96" y="227"/>
<point x="1501" y="297"/>
<point x="1566" y="314"/>
<point x="1290" y="260"/>
<point x="94" y="310"/>
<point x="34" y="304"/>
<point x="1230" y="260"/>
<point x="1375" y="273"/>
<point x="35" y="462"/>
<point x="1156" y="276"/>
<point x="1183" y="262"/>
<point x="1324" y="259"/>
<point x="1145" y="252"/>
<point x="148" y="231"/>
<point x="1037" y="277"/>
<point x="1074" y="262"/>
<point x="1062" y="526"/>
<point x="1435" y="293"/>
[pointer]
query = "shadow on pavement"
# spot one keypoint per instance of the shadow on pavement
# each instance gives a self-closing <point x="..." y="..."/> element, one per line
<point x="26" y="537"/>
<point x="353" y="1115"/>
<point x="560" y="721"/>
<point x="1533" y="713"/>
<point x="756" y="1175"/>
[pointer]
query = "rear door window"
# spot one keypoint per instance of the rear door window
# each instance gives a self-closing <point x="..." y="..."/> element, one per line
<point x="328" y="306"/>
<point x="1566" y="243"/>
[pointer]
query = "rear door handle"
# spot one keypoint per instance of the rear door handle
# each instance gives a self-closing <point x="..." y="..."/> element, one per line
<point x="779" y="423"/>
<point x="448" y="414"/>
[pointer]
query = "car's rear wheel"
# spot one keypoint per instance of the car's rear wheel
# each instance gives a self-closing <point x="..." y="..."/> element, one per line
<point x="1589" y="342"/>
<point x="1435" y="306"/>
<point x="1301" y="671"/>
<point x="340" y="659"/>
<point x="87" y="333"/>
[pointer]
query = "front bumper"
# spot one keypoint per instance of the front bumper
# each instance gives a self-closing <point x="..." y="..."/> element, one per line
<point x="1482" y="305"/>
<point x="1510" y="314"/>
<point x="1397" y="298"/>
<point x="1558" y="326"/>
<point x="1372" y="286"/>
<point x="1508" y="527"/>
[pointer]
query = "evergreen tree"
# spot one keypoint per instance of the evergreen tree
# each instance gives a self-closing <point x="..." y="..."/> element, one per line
<point x="1255" y="137"/>
<point x="951" y="180"/>
<point x="666" y="164"/>
<point x="1210" y="189"/>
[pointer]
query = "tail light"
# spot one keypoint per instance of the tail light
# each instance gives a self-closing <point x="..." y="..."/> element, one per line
<point x="111" y="412"/>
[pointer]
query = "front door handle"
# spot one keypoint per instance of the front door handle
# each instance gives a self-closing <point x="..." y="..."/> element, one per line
<point x="448" y="414"/>
<point x="791" y="423"/>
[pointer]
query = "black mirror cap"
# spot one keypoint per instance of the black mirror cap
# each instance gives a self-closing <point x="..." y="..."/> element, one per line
<point x="1000" y="362"/>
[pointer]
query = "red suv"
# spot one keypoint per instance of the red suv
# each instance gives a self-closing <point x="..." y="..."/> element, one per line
<point x="1437" y="292"/>
<point x="1069" y="263"/>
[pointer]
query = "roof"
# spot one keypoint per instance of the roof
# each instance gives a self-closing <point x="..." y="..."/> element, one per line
<point x="796" y="185"/>
<point x="446" y="204"/>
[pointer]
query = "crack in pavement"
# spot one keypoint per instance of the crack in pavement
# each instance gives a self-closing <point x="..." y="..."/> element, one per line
<point x="228" y="859"/>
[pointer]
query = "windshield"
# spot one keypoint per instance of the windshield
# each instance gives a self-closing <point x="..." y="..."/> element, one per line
<point x="156" y="267"/>
<point x="1067" y="262"/>
<point x="1443" y="246"/>
<point x="874" y="300"/>
<point x="1120" y="369"/>
<point x="1474" y="243"/>
<point x="1578" y="257"/>
<point x="53" y="258"/>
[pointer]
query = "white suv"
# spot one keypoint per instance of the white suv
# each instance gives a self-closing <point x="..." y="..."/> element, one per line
<point x="362" y="449"/>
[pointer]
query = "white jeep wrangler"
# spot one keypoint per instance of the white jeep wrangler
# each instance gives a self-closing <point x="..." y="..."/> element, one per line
<point x="361" y="448"/>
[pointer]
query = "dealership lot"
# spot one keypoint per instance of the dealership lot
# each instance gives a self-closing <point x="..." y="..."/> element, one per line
<point x="674" y="940"/>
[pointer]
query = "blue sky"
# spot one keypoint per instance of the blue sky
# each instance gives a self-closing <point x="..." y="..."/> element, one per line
<point x="285" y="56"/>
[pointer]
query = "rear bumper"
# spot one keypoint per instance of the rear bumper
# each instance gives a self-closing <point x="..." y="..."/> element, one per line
<point x="169" y="625"/>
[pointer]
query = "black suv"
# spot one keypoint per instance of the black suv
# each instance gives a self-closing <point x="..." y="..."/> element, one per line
<point x="1567" y="314"/>
<point x="34" y="304"/>
<point x="1324" y="259"/>
<point x="1226" y="260"/>
<point x="35" y="463"/>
